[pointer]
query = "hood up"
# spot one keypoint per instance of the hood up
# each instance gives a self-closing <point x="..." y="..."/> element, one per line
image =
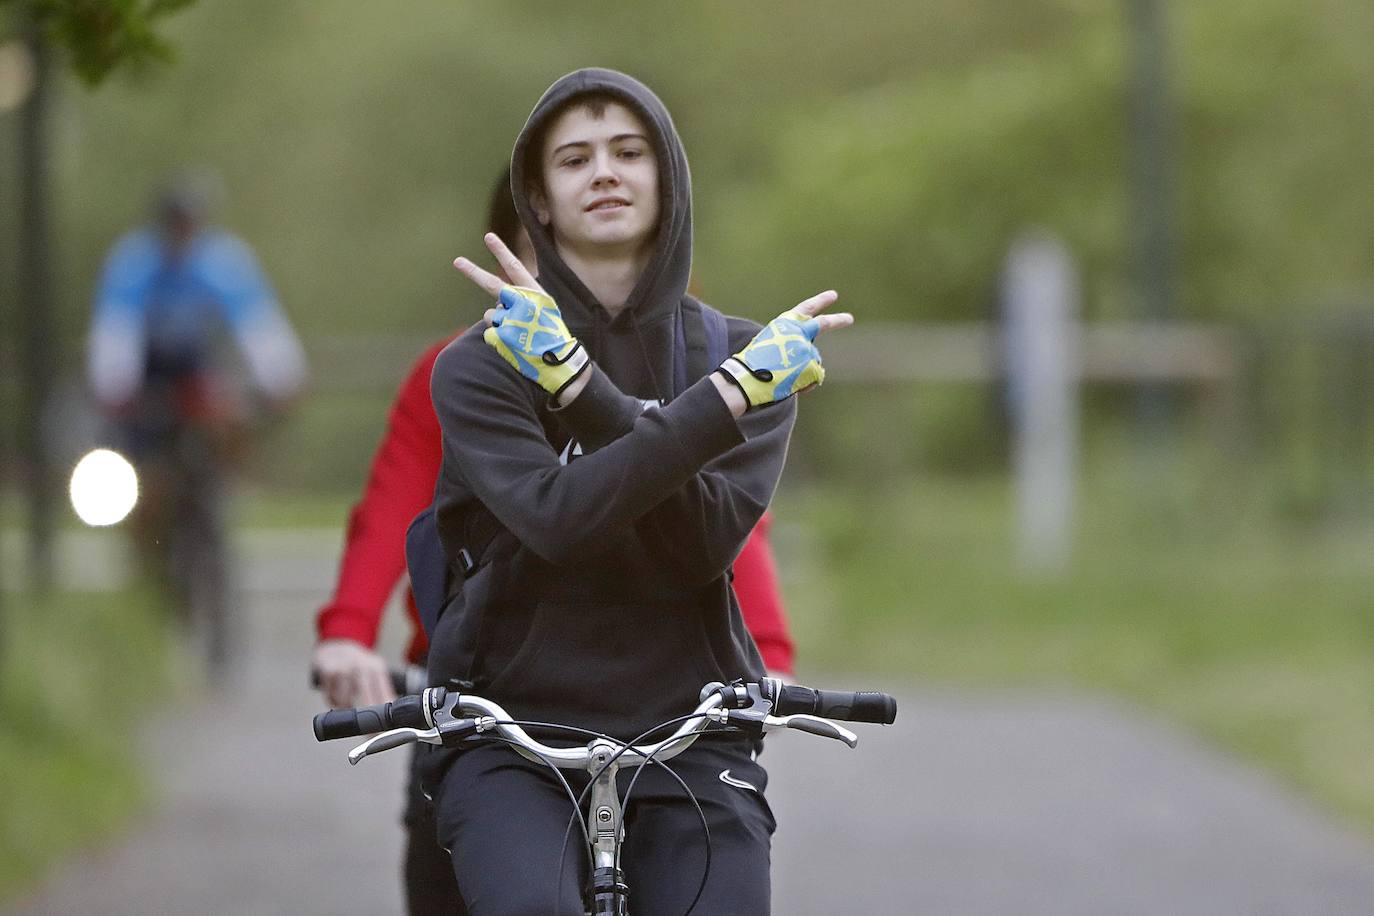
<point x="663" y="283"/>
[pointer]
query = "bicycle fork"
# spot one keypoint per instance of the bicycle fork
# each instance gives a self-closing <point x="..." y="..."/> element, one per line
<point x="608" y="893"/>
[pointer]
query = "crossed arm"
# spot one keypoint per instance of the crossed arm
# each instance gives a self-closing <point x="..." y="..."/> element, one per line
<point x="494" y="436"/>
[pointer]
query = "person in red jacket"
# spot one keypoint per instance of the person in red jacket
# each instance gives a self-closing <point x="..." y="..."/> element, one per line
<point x="400" y="485"/>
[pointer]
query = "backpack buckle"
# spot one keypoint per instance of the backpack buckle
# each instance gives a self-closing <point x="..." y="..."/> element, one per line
<point x="466" y="564"/>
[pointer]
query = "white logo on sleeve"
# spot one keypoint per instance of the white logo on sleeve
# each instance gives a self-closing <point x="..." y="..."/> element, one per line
<point x="729" y="780"/>
<point x="570" y="451"/>
<point x="574" y="448"/>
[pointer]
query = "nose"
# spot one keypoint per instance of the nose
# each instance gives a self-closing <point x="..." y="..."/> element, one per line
<point x="604" y="175"/>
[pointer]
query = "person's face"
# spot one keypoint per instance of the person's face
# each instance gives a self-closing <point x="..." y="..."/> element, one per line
<point x="600" y="181"/>
<point x="178" y="228"/>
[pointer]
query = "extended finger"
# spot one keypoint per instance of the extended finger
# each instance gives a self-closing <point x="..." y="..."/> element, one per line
<point x="817" y="303"/>
<point x="488" y="281"/>
<point x="515" y="268"/>
<point x="831" y="322"/>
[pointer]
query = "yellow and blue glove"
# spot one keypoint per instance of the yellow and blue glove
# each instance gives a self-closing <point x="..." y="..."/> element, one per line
<point x="780" y="361"/>
<point x="528" y="331"/>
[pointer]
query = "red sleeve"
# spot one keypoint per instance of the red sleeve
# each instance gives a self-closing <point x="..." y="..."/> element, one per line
<point x="399" y="485"/>
<point x="756" y="586"/>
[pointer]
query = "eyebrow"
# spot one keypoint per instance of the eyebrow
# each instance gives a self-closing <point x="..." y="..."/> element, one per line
<point x="616" y="139"/>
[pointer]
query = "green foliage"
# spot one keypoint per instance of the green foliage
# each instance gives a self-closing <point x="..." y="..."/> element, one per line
<point x="1276" y="191"/>
<point x="907" y="194"/>
<point x="102" y="35"/>
<point x="75" y="669"/>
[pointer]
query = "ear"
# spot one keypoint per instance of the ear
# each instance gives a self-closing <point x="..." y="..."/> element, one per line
<point x="539" y="203"/>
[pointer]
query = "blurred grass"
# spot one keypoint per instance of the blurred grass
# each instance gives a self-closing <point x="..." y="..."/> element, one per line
<point x="75" y="668"/>
<point x="1189" y="595"/>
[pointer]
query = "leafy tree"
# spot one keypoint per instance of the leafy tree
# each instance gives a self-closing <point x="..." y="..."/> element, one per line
<point x="101" y="35"/>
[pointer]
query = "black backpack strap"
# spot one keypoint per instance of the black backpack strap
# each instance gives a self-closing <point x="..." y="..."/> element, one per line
<point x="717" y="338"/>
<point x="431" y="575"/>
<point x="428" y="568"/>
<point x="689" y="345"/>
<point x="703" y="339"/>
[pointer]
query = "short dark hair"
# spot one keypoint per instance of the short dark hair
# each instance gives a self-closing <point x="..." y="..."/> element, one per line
<point x="501" y="215"/>
<point x="595" y="102"/>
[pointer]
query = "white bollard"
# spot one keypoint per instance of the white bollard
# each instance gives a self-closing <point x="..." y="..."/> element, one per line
<point x="1041" y="351"/>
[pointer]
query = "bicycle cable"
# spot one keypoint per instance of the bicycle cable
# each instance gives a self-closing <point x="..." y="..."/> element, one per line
<point x="691" y="796"/>
<point x="650" y="758"/>
<point x="577" y="817"/>
<point x="576" y="799"/>
<point x="582" y="796"/>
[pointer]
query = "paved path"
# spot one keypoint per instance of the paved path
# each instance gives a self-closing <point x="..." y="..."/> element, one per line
<point x="1017" y="804"/>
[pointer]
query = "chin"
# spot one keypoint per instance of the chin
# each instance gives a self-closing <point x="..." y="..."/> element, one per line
<point x="616" y="235"/>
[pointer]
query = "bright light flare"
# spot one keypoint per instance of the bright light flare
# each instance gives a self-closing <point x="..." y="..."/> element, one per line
<point x="104" y="488"/>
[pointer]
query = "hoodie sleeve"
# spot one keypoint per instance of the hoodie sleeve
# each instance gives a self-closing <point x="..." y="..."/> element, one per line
<point x="493" y="434"/>
<point x="601" y="414"/>
<point x="700" y="528"/>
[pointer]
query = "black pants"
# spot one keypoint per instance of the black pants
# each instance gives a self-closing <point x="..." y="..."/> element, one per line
<point x="430" y="888"/>
<point x="504" y="819"/>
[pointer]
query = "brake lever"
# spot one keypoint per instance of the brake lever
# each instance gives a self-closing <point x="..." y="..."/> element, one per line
<point x="397" y="737"/>
<point x="814" y="725"/>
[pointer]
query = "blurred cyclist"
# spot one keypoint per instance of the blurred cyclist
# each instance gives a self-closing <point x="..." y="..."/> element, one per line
<point x="167" y="291"/>
<point x="401" y="484"/>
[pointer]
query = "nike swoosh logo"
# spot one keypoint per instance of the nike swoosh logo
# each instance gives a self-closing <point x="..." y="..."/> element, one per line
<point x="729" y="780"/>
<point x="574" y="448"/>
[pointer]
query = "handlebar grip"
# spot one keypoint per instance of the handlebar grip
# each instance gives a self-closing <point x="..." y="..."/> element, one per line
<point x="350" y="723"/>
<point x="404" y="712"/>
<point x="847" y="706"/>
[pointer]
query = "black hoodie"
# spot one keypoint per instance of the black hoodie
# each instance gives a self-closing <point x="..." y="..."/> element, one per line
<point x="605" y="600"/>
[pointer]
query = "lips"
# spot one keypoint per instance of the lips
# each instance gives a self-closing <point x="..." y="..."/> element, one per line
<point x="607" y="203"/>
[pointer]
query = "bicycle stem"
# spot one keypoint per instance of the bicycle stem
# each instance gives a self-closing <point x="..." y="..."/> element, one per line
<point x="608" y="889"/>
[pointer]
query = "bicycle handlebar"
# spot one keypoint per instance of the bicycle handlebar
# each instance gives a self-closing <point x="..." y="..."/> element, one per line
<point x="447" y="717"/>
<point x="490" y="716"/>
<point x="439" y="716"/>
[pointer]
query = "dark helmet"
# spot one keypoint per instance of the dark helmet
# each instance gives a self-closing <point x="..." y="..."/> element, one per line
<point x="187" y="197"/>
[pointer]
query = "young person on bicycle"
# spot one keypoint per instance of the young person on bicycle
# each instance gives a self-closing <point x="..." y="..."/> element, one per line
<point x="594" y="592"/>
<point x="168" y="290"/>
<point x="400" y="484"/>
